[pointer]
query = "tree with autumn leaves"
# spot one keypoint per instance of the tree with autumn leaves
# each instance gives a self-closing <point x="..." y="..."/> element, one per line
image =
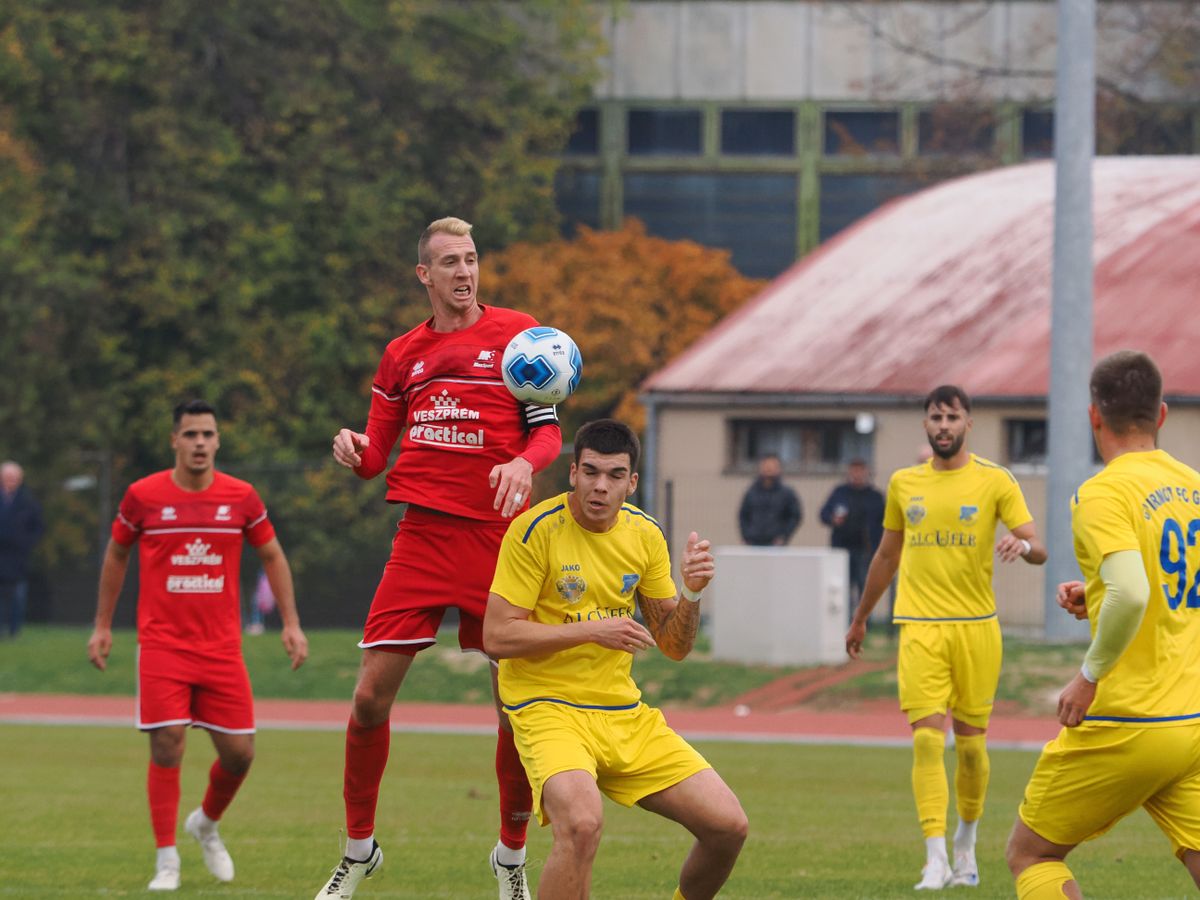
<point x="631" y="302"/>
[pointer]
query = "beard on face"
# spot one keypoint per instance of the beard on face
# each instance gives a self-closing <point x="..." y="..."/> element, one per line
<point x="949" y="452"/>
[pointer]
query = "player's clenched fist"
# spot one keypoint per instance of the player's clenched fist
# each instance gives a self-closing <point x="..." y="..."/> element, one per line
<point x="1070" y="596"/>
<point x="621" y="633"/>
<point x="348" y="447"/>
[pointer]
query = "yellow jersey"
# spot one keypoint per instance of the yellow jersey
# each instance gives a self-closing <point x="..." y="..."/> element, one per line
<point x="562" y="573"/>
<point x="1149" y="502"/>
<point x="949" y="522"/>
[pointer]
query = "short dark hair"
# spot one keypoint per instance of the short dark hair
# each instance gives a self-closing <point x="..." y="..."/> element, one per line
<point x="1126" y="388"/>
<point x="193" y="408"/>
<point x="946" y="395"/>
<point x="608" y="437"/>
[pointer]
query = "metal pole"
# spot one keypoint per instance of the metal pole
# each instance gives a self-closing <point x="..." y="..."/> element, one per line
<point x="1070" y="439"/>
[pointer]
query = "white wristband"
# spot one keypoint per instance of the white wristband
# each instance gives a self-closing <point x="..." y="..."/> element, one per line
<point x="1087" y="675"/>
<point x="1028" y="547"/>
<point x="688" y="594"/>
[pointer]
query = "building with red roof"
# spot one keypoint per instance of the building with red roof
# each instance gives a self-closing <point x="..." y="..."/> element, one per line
<point x="949" y="285"/>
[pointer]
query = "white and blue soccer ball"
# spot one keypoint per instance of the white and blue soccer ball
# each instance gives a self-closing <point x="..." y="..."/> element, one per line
<point x="541" y="365"/>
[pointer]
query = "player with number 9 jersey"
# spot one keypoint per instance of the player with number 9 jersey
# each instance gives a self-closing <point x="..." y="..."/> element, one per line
<point x="1148" y="502"/>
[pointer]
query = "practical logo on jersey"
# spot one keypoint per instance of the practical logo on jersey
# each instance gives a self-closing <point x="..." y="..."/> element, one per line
<point x="168" y="514"/>
<point x="967" y="514"/>
<point x="628" y="583"/>
<point x="571" y="587"/>
<point x="486" y="360"/>
<point x="418" y="368"/>
<point x="223" y="513"/>
<point x="444" y="408"/>
<point x="196" y="554"/>
<point x="195" y="584"/>
<point x="914" y="514"/>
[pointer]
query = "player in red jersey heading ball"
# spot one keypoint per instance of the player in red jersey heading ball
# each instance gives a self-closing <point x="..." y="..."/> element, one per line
<point x="468" y="451"/>
<point x="190" y="521"/>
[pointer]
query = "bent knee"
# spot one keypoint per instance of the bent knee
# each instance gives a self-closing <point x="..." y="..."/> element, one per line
<point x="580" y="829"/>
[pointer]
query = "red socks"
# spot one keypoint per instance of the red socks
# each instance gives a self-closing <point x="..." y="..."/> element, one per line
<point x="221" y="788"/>
<point x="366" y="758"/>
<point x="162" y="787"/>
<point x="516" y="797"/>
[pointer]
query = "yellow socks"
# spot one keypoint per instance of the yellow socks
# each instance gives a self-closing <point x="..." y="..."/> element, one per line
<point x="1044" y="881"/>
<point x="678" y="895"/>
<point x="971" y="776"/>
<point x="930" y="788"/>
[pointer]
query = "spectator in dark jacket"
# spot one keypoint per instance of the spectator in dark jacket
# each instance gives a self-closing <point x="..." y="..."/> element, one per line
<point x="854" y="512"/>
<point x="770" y="511"/>
<point x="20" y="528"/>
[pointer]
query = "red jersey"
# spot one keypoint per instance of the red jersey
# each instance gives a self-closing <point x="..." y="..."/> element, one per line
<point x="442" y="394"/>
<point x="190" y="558"/>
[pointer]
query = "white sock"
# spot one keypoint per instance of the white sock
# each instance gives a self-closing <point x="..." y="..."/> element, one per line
<point x="166" y="858"/>
<point x="359" y="849"/>
<point x="507" y="856"/>
<point x="964" y="835"/>
<point x="204" y="822"/>
<point x="935" y="848"/>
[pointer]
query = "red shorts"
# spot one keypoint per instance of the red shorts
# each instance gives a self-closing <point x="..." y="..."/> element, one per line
<point x="190" y="687"/>
<point x="438" y="561"/>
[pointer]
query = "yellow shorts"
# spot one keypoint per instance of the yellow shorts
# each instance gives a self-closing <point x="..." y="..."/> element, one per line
<point x="631" y="753"/>
<point x="1089" y="778"/>
<point x="949" y="666"/>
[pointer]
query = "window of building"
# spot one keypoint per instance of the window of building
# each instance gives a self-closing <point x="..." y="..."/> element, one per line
<point x="955" y="129"/>
<point x="804" y="446"/>
<point x="664" y="132"/>
<point x="1037" y="133"/>
<point x="754" y="215"/>
<point x="1027" y="441"/>
<point x="1127" y="129"/>
<point x="758" y="132"/>
<point x="862" y="133"/>
<point x="585" y="139"/>
<point x="847" y="198"/>
<point x="577" y="195"/>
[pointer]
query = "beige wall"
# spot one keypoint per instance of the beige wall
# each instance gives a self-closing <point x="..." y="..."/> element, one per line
<point x="773" y="50"/>
<point x="693" y="454"/>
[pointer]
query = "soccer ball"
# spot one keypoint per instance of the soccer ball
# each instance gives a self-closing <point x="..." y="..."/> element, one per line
<point x="541" y="365"/>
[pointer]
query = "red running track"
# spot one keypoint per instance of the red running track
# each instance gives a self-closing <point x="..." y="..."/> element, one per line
<point x="728" y="723"/>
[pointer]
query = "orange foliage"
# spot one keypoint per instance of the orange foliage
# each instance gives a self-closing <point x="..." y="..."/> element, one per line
<point x="631" y="302"/>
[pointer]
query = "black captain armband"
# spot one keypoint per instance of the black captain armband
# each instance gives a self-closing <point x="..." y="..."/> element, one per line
<point x="536" y="416"/>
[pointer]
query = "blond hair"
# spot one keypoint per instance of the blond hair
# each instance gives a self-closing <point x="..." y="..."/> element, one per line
<point x="447" y="225"/>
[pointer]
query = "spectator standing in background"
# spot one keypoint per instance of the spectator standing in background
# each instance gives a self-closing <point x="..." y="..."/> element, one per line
<point x="770" y="512"/>
<point x="21" y="527"/>
<point x="854" y="513"/>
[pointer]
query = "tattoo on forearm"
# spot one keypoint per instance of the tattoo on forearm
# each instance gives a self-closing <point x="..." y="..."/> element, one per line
<point x="674" y="631"/>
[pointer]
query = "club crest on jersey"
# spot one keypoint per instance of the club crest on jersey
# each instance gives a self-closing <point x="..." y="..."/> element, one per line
<point x="486" y="360"/>
<point x="168" y="514"/>
<point x="223" y="513"/>
<point x="628" y="583"/>
<point x="914" y="514"/>
<point x="571" y="587"/>
<point x="967" y="514"/>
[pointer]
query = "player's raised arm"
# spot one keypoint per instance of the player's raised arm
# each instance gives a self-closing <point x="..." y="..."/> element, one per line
<point x="674" y="622"/>
<point x="112" y="576"/>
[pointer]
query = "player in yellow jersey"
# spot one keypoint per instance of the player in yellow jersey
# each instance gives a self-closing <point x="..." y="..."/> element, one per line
<point x="939" y="526"/>
<point x="560" y="619"/>
<point x="1131" y="716"/>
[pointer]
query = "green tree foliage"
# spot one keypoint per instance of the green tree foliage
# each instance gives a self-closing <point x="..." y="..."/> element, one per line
<point x="222" y="199"/>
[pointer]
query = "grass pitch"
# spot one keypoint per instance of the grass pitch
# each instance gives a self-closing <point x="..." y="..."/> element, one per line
<point x="826" y="822"/>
